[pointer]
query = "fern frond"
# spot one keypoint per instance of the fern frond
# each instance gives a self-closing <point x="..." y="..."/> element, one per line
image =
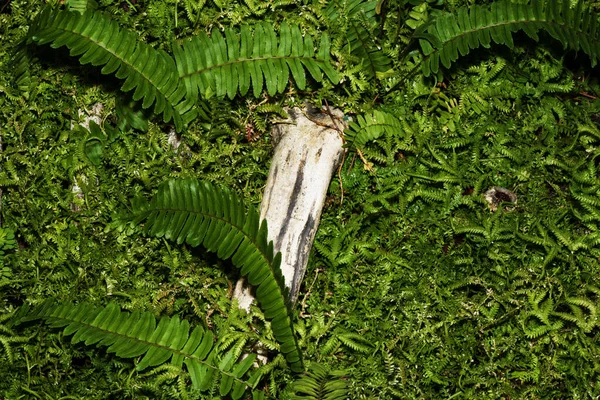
<point x="359" y="18"/>
<point x="593" y="201"/>
<point x="97" y="39"/>
<point x="355" y="341"/>
<point x="586" y="321"/>
<point x="536" y="298"/>
<point x="593" y="289"/>
<point x="583" y="302"/>
<point x="20" y="64"/>
<point x="136" y="334"/>
<point x="564" y="238"/>
<point x="429" y="195"/>
<point x="537" y="322"/>
<point x="257" y="57"/>
<point x="534" y="330"/>
<point x="81" y="5"/>
<point x="370" y="127"/>
<point x="473" y="229"/>
<point x="589" y="130"/>
<point x="319" y="383"/>
<point x="194" y="212"/>
<point x="272" y="108"/>
<point x="7" y="336"/>
<point x="475" y="26"/>
<point x="532" y="239"/>
<point x="7" y="241"/>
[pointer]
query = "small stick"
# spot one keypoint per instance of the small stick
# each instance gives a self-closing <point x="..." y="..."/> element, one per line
<point x="308" y="292"/>
<point x="589" y="96"/>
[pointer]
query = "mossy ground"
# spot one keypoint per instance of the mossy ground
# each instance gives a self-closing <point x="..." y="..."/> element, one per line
<point x="415" y="288"/>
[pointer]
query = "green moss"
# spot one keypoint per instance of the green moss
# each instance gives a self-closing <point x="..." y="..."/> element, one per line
<point x="415" y="289"/>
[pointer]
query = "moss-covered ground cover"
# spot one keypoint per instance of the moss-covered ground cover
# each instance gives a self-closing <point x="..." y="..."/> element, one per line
<point x="458" y="256"/>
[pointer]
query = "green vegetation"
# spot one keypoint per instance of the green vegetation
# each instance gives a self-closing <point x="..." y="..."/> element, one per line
<point x="458" y="255"/>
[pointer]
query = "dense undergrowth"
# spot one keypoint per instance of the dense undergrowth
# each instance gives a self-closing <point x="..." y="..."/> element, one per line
<point x="417" y="287"/>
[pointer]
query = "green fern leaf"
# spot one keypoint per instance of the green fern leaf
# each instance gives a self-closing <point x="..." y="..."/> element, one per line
<point x="475" y="26"/>
<point x="233" y="62"/>
<point x="7" y="241"/>
<point x="197" y="213"/>
<point x="585" y="320"/>
<point x="370" y="127"/>
<point x="356" y="342"/>
<point x="98" y="40"/>
<point x="566" y="239"/>
<point x="532" y="239"/>
<point x="20" y="63"/>
<point x="358" y="18"/>
<point x="136" y="334"/>
<point x="320" y="383"/>
<point x="81" y="5"/>
<point x="7" y="336"/>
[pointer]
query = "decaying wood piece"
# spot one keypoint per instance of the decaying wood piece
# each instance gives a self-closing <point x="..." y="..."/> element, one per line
<point x="308" y="150"/>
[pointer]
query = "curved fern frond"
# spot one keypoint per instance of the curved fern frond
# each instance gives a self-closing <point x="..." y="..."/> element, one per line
<point x="356" y="342"/>
<point x="194" y="212"/>
<point x="136" y="334"/>
<point x="573" y="244"/>
<point x="537" y="321"/>
<point x="20" y="63"/>
<point x="7" y="336"/>
<point x="319" y="383"/>
<point x="97" y="39"/>
<point x="370" y="127"/>
<point x="7" y="241"/>
<point x="359" y="18"/>
<point x="254" y="57"/>
<point x="475" y="26"/>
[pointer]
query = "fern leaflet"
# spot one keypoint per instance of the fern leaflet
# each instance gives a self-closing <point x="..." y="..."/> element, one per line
<point x="360" y="39"/>
<point x="137" y="334"/>
<point x="81" y="5"/>
<point x="253" y="57"/>
<point x="320" y="383"/>
<point x="97" y="39"/>
<point x="194" y="212"/>
<point x="475" y="26"/>
<point x="370" y="127"/>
